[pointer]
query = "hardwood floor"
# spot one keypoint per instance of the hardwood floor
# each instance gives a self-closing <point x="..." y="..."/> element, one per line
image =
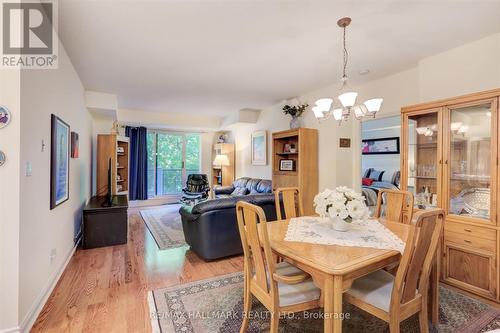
<point x="105" y="290"/>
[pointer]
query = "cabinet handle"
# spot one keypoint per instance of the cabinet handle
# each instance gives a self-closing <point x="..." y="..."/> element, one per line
<point x="440" y="162"/>
<point x="468" y="230"/>
<point x="467" y="241"/>
<point x="446" y="162"/>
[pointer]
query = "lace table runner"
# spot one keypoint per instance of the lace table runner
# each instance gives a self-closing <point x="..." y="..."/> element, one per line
<point x="369" y="233"/>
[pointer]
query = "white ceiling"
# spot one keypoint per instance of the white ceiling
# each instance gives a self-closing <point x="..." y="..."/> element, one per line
<point x="216" y="57"/>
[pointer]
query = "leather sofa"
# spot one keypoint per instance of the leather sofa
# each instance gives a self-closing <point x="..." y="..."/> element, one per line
<point x="244" y="186"/>
<point x="211" y="229"/>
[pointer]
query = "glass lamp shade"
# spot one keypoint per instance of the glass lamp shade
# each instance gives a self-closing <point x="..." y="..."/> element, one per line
<point x="360" y="111"/>
<point x="324" y="104"/>
<point x="221" y="160"/>
<point x="373" y="105"/>
<point x="337" y="114"/>
<point x="318" y="112"/>
<point x="463" y="129"/>
<point x="348" y="99"/>
<point x="428" y="132"/>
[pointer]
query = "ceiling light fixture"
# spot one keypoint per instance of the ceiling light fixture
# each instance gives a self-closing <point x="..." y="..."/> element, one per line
<point x="347" y="97"/>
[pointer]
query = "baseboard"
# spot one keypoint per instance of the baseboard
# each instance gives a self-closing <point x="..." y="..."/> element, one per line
<point x="42" y="298"/>
<point x="10" y="330"/>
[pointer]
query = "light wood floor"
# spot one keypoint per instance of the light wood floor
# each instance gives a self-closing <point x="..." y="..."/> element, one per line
<point x="105" y="290"/>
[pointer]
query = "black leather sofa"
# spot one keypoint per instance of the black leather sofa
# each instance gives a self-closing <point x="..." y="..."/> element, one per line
<point x="244" y="186"/>
<point x="211" y="228"/>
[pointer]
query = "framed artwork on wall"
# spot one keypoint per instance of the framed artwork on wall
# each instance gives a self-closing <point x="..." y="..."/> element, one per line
<point x="380" y="146"/>
<point x="259" y="148"/>
<point x="75" y="145"/>
<point x="59" y="161"/>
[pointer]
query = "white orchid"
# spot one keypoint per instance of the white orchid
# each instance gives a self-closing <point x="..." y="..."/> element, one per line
<point x="342" y="202"/>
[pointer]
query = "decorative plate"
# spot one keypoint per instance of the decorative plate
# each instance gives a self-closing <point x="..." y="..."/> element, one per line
<point x="476" y="201"/>
<point x="2" y="158"/>
<point x="4" y="116"/>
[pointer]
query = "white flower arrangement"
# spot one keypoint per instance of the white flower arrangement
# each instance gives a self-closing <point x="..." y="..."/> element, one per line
<point x="342" y="202"/>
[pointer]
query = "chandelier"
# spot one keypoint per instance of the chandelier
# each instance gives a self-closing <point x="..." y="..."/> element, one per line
<point x="325" y="108"/>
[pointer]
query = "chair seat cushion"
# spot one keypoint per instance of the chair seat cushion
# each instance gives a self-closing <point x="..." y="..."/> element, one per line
<point x="374" y="288"/>
<point x="295" y="293"/>
<point x="291" y="294"/>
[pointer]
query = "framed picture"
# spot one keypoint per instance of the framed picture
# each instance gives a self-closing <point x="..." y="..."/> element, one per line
<point x="380" y="146"/>
<point x="75" y="145"/>
<point x="287" y="165"/>
<point x="259" y="148"/>
<point x="59" y="162"/>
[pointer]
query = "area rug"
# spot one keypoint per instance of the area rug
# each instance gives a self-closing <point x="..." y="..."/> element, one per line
<point x="216" y="305"/>
<point x="165" y="225"/>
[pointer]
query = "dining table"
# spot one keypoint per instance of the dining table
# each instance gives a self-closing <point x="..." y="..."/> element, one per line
<point x="333" y="268"/>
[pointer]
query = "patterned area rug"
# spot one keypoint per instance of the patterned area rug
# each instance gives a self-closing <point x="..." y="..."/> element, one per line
<point x="165" y="225"/>
<point x="216" y="305"/>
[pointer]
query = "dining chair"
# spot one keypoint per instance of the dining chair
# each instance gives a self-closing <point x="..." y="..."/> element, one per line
<point x="395" y="205"/>
<point x="396" y="298"/>
<point x="281" y="288"/>
<point x="292" y="202"/>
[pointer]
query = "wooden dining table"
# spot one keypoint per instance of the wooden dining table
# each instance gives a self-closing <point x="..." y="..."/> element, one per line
<point x="333" y="268"/>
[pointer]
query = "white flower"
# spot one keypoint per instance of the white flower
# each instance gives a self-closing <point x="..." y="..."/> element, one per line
<point x="356" y="209"/>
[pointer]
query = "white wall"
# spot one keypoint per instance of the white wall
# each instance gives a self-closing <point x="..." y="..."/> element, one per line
<point x="43" y="230"/>
<point x="10" y="140"/>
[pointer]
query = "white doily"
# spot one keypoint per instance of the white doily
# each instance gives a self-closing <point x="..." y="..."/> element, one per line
<point x="369" y="233"/>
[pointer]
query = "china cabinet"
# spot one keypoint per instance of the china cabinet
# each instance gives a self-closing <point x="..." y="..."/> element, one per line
<point x="450" y="160"/>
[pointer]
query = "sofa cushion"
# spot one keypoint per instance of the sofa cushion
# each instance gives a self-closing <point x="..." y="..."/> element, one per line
<point x="252" y="184"/>
<point x="240" y="191"/>
<point x="265" y="186"/>
<point x="241" y="182"/>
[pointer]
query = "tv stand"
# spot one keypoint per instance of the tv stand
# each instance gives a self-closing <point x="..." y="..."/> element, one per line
<point x="105" y="224"/>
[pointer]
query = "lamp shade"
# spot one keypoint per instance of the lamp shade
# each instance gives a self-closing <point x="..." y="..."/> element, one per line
<point x="360" y="111"/>
<point x="318" y="112"/>
<point x="221" y="160"/>
<point x="348" y="99"/>
<point x="373" y="105"/>
<point x="324" y="104"/>
<point x="456" y="126"/>
<point x="337" y="114"/>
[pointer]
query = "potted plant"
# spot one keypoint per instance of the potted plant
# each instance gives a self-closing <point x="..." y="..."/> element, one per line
<point x="295" y="111"/>
<point x="342" y="206"/>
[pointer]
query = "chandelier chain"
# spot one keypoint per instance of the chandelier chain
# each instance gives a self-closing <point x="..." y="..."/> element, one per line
<point x="346" y="57"/>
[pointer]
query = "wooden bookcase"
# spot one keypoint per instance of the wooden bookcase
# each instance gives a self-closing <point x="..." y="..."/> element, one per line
<point x="454" y="166"/>
<point x="223" y="176"/>
<point x="117" y="148"/>
<point x="305" y="163"/>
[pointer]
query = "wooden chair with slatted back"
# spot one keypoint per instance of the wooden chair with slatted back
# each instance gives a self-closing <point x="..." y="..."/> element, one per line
<point x="292" y="202"/>
<point x="281" y="288"/>
<point x="394" y="299"/>
<point x="398" y="205"/>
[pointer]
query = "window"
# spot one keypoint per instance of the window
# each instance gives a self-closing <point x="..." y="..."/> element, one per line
<point x="171" y="158"/>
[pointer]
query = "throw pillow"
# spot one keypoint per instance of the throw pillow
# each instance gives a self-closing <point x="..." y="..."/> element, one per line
<point x="376" y="175"/>
<point x="240" y="191"/>
<point x="254" y="191"/>
<point x="367" y="181"/>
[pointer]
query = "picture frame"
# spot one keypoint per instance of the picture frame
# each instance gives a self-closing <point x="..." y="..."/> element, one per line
<point x="59" y="161"/>
<point x="380" y="146"/>
<point x="259" y="148"/>
<point x="287" y="165"/>
<point x="75" y="145"/>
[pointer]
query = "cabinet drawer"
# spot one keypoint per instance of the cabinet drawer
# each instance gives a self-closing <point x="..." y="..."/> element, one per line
<point x="470" y="241"/>
<point x="471" y="230"/>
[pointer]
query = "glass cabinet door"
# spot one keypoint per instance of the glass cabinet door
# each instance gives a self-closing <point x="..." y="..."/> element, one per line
<point x="471" y="155"/>
<point x="422" y="160"/>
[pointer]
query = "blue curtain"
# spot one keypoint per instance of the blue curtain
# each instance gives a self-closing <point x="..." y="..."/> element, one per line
<point x="138" y="182"/>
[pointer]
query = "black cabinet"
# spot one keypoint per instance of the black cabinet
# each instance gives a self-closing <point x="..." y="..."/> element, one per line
<point x="104" y="224"/>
